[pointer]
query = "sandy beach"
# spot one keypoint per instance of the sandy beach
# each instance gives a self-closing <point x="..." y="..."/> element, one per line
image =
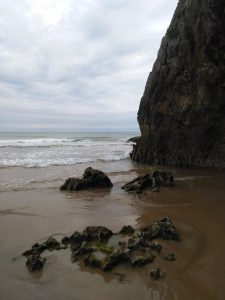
<point x="34" y="212"/>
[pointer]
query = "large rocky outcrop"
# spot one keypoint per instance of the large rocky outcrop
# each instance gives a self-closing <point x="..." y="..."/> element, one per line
<point x="182" y="111"/>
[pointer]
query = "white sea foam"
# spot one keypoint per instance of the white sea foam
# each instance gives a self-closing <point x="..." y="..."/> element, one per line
<point x="47" y="151"/>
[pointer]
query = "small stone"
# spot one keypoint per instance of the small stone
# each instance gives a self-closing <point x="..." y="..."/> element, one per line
<point x="35" y="263"/>
<point x="141" y="260"/>
<point x="155" y="247"/>
<point x="170" y="257"/>
<point x="157" y="273"/>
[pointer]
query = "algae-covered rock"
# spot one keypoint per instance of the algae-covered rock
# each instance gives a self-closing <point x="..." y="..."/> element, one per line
<point x="99" y="247"/>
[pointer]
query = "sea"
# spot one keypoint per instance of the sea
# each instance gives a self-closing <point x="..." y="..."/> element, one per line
<point x="46" y="159"/>
<point x="36" y="149"/>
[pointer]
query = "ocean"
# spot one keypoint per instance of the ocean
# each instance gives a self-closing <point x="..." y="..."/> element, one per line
<point x="51" y="149"/>
<point x="46" y="159"/>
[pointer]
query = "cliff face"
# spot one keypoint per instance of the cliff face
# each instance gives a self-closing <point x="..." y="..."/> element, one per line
<point x="182" y="111"/>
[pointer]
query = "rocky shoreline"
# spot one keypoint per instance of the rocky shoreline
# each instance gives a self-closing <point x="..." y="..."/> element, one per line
<point x="98" y="247"/>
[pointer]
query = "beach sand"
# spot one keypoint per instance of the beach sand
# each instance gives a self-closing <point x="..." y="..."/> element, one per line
<point x="34" y="211"/>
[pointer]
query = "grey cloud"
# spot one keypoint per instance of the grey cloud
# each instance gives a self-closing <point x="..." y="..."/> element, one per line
<point x="86" y="70"/>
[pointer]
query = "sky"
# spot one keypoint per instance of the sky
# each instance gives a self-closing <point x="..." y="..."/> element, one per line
<point x="77" y="65"/>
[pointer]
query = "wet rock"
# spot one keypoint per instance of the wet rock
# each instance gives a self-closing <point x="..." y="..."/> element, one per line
<point x="161" y="229"/>
<point x="51" y="244"/>
<point x="139" y="184"/>
<point x="149" y="181"/>
<point x="170" y="257"/>
<point x="127" y="230"/>
<point x="36" y="249"/>
<point x="141" y="260"/>
<point x="65" y="240"/>
<point x="163" y="178"/>
<point x="97" y="232"/>
<point x="92" y="247"/>
<point x="92" y="178"/>
<point x="119" y="255"/>
<point x="134" y="139"/>
<point x="93" y="261"/>
<point x="81" y="251"/>
<point x="134" y="242"/>
<point x="155" y="247"/>
<point x="156" y="273"/>
<point x="35" y="263"/>
<point x="76" y="238"/>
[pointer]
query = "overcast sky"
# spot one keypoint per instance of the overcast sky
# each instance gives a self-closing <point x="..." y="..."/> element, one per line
<point x="77" y="65"/>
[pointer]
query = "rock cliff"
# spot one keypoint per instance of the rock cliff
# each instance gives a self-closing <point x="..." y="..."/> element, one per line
<point x="182" y="111"/>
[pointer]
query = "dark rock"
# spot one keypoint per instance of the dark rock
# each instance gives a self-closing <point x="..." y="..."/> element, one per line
<point x="91" y="179"/>
<point x="181" y="114"/>
<point x="163" y="178"/>
<point x="149" y="181"/>
<point x="97" y="232"/>
<point x="155" y="247"/>
<point x="139" y="184"/>
<point x="134" y="139"/>
<point x="160" y="229"/>
<point x="121" y="254"/>
<point x="93" y="248"/>
<point x="35" y="263"/>
<point x="65" y="240"/>
<point x="170" y="257"/>
<point x="141" y="260"/>
<point x="76" y="238"/>
<point x="93" y="261"/>
<point x="51" y="244"/>
<point x="157" y="273"/>
<point x="36" y="249"/>
<point x="127" y="230"/>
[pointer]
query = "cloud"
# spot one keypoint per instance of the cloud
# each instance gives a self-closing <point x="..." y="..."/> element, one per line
<point x="77" y="64"/>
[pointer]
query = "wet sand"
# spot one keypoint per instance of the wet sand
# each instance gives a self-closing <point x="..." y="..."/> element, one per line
<point x="33" y="209"/>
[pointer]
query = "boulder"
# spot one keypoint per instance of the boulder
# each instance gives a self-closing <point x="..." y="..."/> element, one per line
<point x="92" y="178"/>
<point x="170" y="257"/>
<point x="156" y="273"/>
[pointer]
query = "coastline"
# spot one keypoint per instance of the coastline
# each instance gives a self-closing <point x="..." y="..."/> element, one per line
<point x="196" y="206"/>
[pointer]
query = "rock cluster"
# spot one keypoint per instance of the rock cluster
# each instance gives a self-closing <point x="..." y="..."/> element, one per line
<point x="182" y="111"/>
<point x="97" y="179"/>
<point x="96" y="246"/>
<point x="150" y="181"/>
<point x="92" y="178"/>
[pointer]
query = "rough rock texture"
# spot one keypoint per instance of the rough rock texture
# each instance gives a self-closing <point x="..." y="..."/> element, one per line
<point x="182" y="111"/>
<point x="92" y="178"/>
<point x="151" y="181"/>
<point x="99" y="247"/>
